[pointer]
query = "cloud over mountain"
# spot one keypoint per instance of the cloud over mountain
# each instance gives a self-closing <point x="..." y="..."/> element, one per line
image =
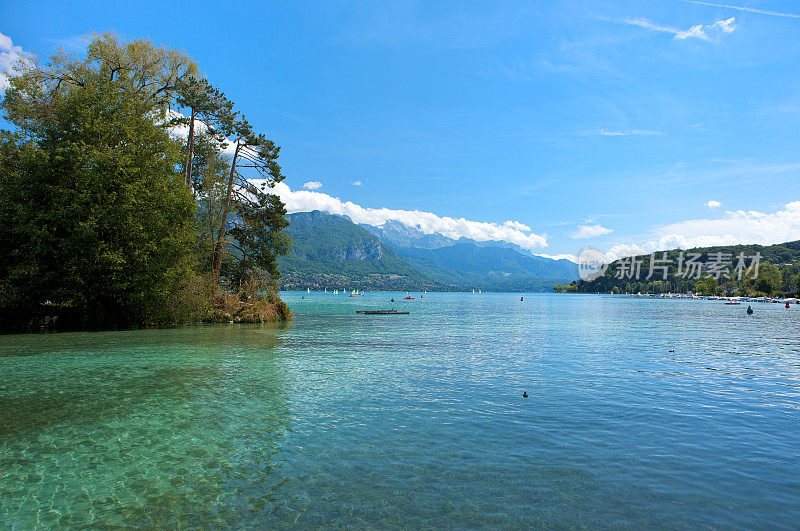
<point x="427" y="222"/>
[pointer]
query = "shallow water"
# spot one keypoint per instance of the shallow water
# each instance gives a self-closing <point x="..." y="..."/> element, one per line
<point x="341" y="419"/>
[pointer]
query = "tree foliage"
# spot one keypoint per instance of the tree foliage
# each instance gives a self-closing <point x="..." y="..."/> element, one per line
<point x="99" y="224"/>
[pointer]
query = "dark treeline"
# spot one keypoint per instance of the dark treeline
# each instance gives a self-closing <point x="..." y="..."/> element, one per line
<point x="726" y="270"/>
<point x="110" y="218"/>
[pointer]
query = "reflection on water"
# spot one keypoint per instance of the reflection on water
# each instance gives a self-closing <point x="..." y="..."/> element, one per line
<point x="418" y="420"/>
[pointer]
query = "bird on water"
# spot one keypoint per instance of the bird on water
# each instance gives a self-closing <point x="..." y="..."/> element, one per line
<point x="524" y="394"/>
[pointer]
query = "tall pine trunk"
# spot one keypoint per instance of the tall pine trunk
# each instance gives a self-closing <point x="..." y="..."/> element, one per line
<point x="191" y="152"/>
<point x="216" y="264"/>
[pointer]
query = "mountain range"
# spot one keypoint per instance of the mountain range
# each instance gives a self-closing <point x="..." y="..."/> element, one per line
<point x="332" y="252"/>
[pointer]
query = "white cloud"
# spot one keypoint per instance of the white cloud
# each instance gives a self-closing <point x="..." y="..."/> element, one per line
<point x="427" y="222"/>
<point x="725" y="25"/>
<point x="746" y="9"/>
<point x="698" y="31"/>
<point x="713" y="204"/>
<point x="734" y="227"/>
<point x="312" y="185"/>
<point x="357" y="183"/>
<point x="10" y="57"/>
<point x="570" y="257"/>
<point x="589" y="231"/>
<point x="517" y="225"/>
<point x="629" y="132"/>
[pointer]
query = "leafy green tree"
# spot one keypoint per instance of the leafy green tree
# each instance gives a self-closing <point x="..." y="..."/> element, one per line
<point x="706" y="286"/>
<point x="95" y="223"/>
<point x="207" y="105"/>
<point x="257" y="154"/>
<point x="769" y="279"/>
<point x="258" y="235"/>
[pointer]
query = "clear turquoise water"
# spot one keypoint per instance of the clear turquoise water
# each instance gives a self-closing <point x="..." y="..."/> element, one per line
<point x="340" y="419"/>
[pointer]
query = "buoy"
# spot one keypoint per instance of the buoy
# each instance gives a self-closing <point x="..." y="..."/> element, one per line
<point x="521" y="298"/>
<point x="787" y="304"/>
<point x="749" y="310"/>
<point x="525" y="394"/>
<point x="392" y="300"/>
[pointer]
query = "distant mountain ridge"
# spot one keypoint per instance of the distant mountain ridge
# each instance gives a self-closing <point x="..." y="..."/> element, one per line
<point x="398" y="235"/>
<point x="331" y="251"/>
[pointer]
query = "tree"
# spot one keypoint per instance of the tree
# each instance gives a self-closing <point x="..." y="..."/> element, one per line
<point x="258" y="154"/>
<point x="769" y="279"/>
<point x="706" y="286"/>
<point x="207" y="104"/>
<point x="95" y="222"/>
<point x="107" y="220"/>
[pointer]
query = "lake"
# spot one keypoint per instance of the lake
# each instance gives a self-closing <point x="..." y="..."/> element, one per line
<point x="342" y="419"/>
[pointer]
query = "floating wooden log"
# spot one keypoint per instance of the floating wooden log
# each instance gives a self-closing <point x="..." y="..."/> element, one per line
<point x="381" y="312"/>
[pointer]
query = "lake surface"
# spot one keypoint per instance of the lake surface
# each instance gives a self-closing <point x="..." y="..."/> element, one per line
<point x="339" y="419"/>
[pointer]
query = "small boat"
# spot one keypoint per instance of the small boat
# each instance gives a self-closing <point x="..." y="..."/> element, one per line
<point x="408" y="298"/>
<point x="733" y="303"/>
<point x="381" y="312"/>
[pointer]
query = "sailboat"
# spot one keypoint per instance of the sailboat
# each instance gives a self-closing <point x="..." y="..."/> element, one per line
<point x="354" y="293"/>
<point x="308" y="290"/>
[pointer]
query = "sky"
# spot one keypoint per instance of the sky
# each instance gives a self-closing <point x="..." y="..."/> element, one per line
<point x="625" y="126"/>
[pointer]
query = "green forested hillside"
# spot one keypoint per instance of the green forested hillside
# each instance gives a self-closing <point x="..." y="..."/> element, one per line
<point x="330" y="251"/>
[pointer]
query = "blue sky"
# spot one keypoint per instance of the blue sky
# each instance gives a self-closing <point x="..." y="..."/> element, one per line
<point x="621" y="116"/>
